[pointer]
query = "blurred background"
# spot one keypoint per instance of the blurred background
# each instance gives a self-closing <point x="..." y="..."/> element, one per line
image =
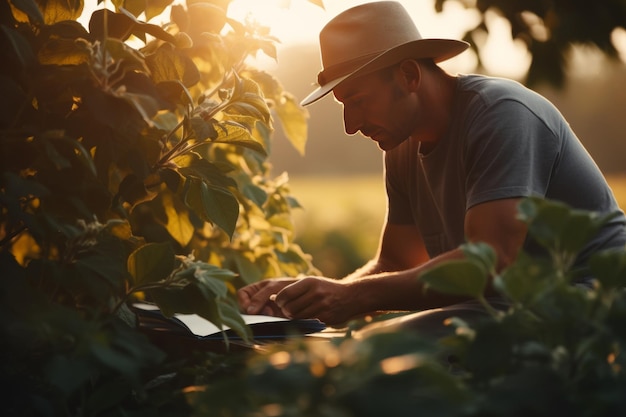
<point x="338" y="180"/>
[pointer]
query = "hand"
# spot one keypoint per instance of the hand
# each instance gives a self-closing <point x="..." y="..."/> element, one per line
<point x="255" y="298"/>
<point x="329" y="300"/>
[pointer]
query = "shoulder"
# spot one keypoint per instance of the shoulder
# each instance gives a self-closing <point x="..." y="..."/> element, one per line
<point x="491" y="90"/>
<point x="499" y="99"/>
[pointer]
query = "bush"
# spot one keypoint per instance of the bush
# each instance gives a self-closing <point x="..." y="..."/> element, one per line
<point x="556" y="351"/>
<point x="130" y="172"/>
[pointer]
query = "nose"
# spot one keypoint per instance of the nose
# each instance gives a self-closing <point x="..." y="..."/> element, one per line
<point x="352" y="121"/>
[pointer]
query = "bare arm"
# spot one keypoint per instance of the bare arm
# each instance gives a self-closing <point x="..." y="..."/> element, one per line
<point x="494" y="223"/>
<point x="333" y="301"/>
<point x="401" y="247"/>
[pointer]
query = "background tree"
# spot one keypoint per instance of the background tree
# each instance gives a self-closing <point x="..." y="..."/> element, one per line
<point x="549" y="28"/>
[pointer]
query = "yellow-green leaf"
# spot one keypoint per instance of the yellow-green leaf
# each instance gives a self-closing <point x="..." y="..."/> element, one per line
<point x="293" y="119"/>
<point x="168" y="64"/>
<point x="63" y="52"/>
<point x="178" y="224"/>
<point x="58" y="10"/>
<point x="237" y="135"/>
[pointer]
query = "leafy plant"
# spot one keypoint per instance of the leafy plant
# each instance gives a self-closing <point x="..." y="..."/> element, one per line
<point x="128" y="172"/>
<point x="558" y="350"/>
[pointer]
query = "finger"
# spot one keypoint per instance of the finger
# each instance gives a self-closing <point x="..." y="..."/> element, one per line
<point x="304" y="304"/>
<point x="272" y="310"/>
<point x="243" y="297"/>
<point x="252" y="298"/>
<point x="292" y="292"/>
<point x="261" y="298"/>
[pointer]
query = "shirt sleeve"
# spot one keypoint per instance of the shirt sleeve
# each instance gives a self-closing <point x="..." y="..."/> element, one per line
<point x="509" y="152"/>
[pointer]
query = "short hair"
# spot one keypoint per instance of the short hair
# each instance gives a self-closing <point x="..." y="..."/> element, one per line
<point x="386" y="74"/>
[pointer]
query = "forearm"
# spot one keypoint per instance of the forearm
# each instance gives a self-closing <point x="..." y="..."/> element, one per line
<point x="372" y="267"/>
<point x="401" y="290"/>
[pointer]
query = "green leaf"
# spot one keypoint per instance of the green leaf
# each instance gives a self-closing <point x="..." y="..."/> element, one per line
<point x="292" y="261"/>
<point x="231" y="317"/>
<point x="206" y="171"/>
<point x="247" y="99"/>
<point x="129" y="58"/>
<point x="172" y="178"/>
<point x="175" y="300"/>
<point x="481" y="253"/>
<point x="20" y="47"/>
<point x="145" y="104"/>
<point x="152" y="262"/>
<point x="255" y="194"/>
<point x="526" y="279"/>
<point x="140" y="29"/>
<point x="193" y="299"/>
<point x="558" y="227"/>
<point x="609" y="268"/>
<point x="102" y="272"/>
<point x="118" y="26"/>
<point x="121" y="25"/>
<point x="248" y="270"/>
<point x="456" y="277"/>
<point x="202" y="129"/>
<point x="213" y="204"/>
<point x="210" y="285"/>
<point x="83" y="156"/>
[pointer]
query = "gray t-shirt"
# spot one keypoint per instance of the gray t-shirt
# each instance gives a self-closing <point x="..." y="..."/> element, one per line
<point x="504" y="141"/>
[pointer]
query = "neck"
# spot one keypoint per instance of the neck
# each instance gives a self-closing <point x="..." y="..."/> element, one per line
<point x="437" y="99"/>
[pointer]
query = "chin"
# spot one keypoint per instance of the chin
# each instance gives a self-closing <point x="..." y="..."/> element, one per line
<point x="387" y="145"/>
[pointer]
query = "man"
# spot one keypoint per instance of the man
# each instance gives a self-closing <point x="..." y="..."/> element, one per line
<point x="460" y="154"/>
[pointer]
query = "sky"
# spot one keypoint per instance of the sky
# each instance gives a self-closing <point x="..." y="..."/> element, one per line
<point x="299" y="21"/>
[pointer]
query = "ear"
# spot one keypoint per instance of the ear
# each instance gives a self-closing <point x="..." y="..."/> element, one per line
<point x="411" y="72"/>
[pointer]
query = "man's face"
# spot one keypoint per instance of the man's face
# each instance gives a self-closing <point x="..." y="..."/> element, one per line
<point x="379" y="106"/>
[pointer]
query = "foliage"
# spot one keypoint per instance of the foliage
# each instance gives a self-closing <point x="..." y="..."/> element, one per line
<point x="556" y="351"/>
<point x="549" y="28"/>
<point x="133" y="164"/>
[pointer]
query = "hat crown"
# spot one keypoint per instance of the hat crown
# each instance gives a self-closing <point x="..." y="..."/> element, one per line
<point x="370" y="37"/>
<point x="365" y="31"/>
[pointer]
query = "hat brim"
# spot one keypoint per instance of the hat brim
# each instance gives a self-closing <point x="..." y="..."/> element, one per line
<point x="437" y="49"/>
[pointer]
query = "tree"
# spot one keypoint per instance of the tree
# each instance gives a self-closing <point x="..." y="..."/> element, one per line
<point x="549" y="29"/>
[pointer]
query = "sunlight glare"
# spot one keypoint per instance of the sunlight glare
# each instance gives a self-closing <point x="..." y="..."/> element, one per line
<point x="403" y="363"/>
<point x="295" y="22"/>
<point x="502" y="55"/>
<point x="289" y="21"/>
<point x="618" y="36"/>
<point x="299" y="22"/>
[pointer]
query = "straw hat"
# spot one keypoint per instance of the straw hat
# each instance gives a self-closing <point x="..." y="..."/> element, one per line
<point x="373" y="36"/>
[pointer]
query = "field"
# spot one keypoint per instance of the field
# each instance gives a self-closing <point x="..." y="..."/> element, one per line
<point x="342" y="216"/>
